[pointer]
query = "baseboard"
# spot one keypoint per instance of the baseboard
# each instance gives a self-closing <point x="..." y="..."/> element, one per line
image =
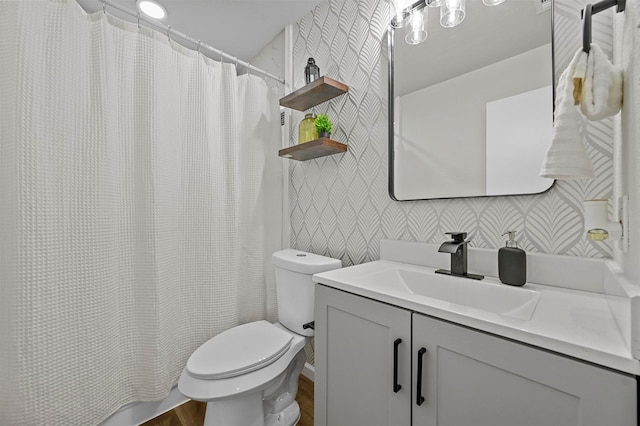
<point x="309" y="371"/>
<point x="140" y="412"/>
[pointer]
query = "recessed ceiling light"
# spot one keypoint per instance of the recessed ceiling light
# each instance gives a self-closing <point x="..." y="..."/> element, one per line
<point x="152" y="9"/>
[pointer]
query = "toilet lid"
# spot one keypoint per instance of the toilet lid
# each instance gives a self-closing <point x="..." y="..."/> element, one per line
<point x="239" y="350"/>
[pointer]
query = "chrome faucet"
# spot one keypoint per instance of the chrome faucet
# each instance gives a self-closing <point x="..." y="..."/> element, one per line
<point x="457" y="247"/>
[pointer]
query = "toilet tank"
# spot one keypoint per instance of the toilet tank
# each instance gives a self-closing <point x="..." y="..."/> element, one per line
<point x="295" y="288"/>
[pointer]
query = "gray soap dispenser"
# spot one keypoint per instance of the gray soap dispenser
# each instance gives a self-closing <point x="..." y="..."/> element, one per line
<point x="512" y="262"/>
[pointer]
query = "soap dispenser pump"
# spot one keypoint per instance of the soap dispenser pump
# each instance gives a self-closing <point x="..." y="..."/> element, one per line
<point x="512" y="262"/>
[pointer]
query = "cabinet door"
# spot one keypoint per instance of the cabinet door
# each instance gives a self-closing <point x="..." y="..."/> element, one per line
<point x="356" y="343"/>
<point x="473" y="378"/>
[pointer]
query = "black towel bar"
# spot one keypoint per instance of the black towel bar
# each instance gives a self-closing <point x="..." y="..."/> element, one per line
<point x="591" y="10"/>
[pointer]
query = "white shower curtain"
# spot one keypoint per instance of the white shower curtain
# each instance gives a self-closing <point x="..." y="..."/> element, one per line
<point x="134" y="220"/>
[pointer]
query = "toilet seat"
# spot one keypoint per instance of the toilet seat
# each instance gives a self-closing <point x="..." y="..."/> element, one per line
<point x="239" y="350"/>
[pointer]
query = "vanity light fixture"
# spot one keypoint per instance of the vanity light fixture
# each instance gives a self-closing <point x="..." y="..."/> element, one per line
<point x="452" y="13"/>
<point x="152" y="9"/>
<point x="405" y="13"/>
<point x="598" y="226"/>
<point x="416" y="33"/>
<point x="492" y="2"/>
<point x="401" y="10"/>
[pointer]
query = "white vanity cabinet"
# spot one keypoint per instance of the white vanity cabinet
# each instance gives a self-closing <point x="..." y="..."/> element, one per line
<point x="473" y="378"/>
<point x="467" y="377"/>
<point x="357" y="341"/>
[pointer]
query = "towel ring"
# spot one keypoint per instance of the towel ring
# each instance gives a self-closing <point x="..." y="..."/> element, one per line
<point x="592" y="9"/>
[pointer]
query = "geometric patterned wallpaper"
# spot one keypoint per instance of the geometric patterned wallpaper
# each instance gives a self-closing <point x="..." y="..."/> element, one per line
<point x="339" y="204"/>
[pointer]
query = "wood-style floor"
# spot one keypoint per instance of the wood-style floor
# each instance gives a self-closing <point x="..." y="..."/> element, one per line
<point x="191" y="413"/>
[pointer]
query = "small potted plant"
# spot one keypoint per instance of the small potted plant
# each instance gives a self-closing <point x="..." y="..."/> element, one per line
<point x="323" y="126"/>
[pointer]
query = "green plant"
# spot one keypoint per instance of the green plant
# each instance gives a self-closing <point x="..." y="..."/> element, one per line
<point x="323" y="124"/>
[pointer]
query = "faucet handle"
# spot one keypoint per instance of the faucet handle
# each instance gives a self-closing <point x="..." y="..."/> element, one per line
<point x="458" y="237"/>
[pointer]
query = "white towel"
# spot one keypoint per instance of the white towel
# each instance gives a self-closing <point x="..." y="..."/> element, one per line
<point x="602" y="88"/>
<point x="566" y="157"/>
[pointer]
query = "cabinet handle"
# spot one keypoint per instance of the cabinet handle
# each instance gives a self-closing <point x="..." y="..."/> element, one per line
<point x="396" y="385"/>
<point x="419" y="397"/>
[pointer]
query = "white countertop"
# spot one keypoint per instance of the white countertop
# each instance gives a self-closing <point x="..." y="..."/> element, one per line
<point x="571" y="322"/>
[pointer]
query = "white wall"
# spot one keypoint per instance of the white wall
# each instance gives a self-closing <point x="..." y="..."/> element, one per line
<point x="271" y="59"/>
<point x="628" y="156"/>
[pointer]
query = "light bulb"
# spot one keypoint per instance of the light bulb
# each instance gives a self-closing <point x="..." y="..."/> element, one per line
<point x="416" y="33"/>
<point x="400" y="12"/>
<point x="452" y="13"/>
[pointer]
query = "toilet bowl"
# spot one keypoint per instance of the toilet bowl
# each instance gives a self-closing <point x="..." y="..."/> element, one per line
<point x="248" y="375"/>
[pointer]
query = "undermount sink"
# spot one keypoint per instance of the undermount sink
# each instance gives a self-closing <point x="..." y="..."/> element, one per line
<point x="513" y="302"/>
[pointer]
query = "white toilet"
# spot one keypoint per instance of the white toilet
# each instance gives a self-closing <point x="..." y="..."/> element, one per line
<point x="248" y="375"/>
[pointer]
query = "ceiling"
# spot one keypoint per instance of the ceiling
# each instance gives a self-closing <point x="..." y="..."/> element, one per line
<point x="238" y="27"/>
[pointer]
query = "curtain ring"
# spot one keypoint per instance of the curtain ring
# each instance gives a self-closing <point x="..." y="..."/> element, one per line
<point x="104" y="6"/>
<point x="138" y="18"/>
<point x="237" y="64"/>
<point x="169" y="32"/>
<point x="198" y="46"/>
<point x="222" y="56"/>
<point x="249" y="68"/>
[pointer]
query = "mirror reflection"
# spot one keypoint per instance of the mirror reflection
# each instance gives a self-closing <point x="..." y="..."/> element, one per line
<point x="471" y="107"/>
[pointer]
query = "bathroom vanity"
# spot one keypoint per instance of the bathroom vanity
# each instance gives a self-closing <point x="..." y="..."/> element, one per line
<point x="397" y="344"/>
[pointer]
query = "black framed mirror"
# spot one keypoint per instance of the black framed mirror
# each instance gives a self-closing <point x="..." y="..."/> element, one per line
<point x="471" y="107"/>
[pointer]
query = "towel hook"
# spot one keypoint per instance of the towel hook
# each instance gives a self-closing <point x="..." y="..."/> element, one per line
<point x="592" y="9"/>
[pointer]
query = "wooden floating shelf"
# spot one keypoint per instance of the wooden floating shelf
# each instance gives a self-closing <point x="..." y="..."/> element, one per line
<point x="314" y="93"/>
<point x="313" y="149"/>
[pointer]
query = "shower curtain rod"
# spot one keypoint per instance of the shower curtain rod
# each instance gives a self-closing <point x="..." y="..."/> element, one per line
<point x="200" y="45"/>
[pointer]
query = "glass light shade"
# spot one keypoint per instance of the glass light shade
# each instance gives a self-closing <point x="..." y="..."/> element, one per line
<point x="152" y="9"/>
<point x="416" y="33"/>
<point x="492" y="2"/>
<point x="452" y="13"/>
<point x="400" y="13"/>
<point x="435" y="3"/>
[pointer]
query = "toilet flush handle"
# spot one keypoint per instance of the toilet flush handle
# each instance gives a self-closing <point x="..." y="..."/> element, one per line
<point x="310" y="325"/>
